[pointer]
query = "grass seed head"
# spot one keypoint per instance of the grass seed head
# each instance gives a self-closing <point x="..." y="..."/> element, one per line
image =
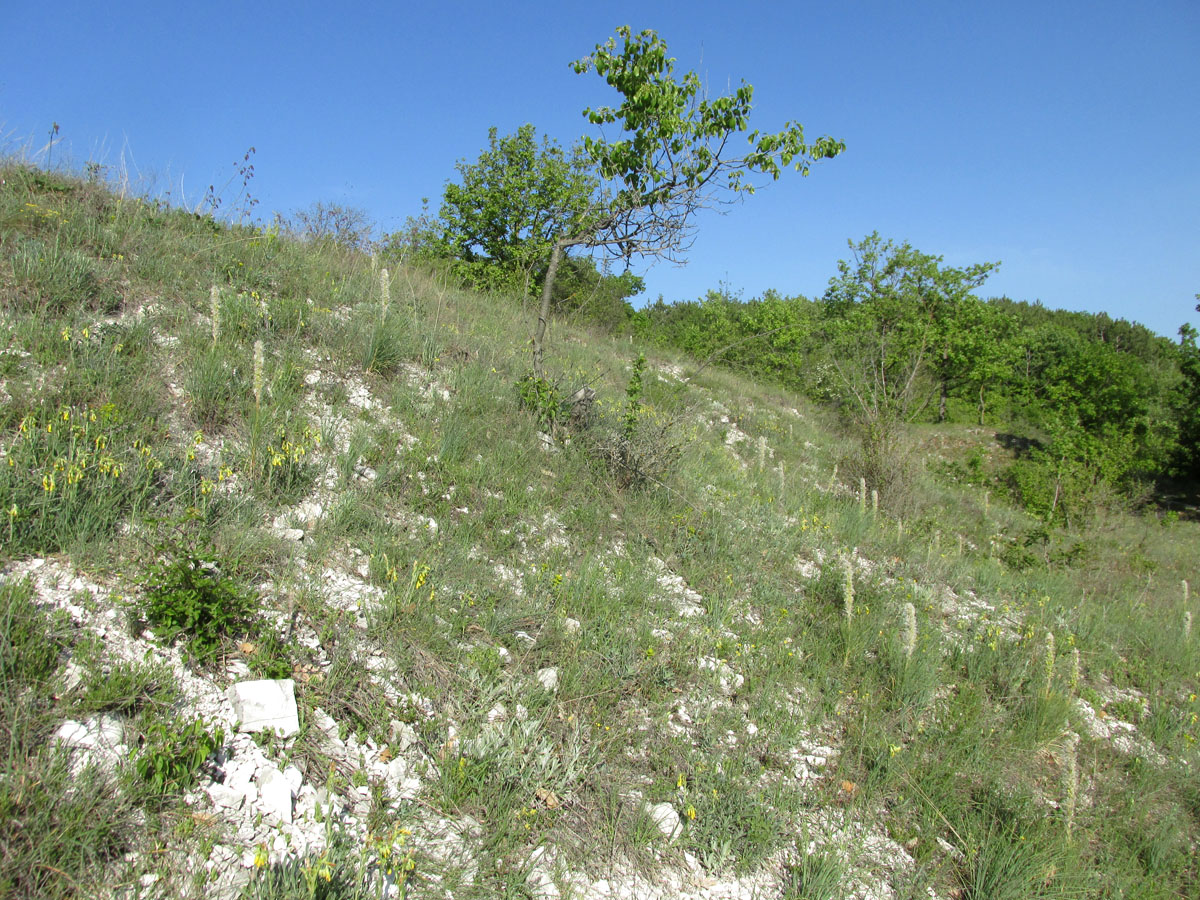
<point x="1048" y="661"/>
<point x="909" y="637"/>
<point x="258" y="372"/>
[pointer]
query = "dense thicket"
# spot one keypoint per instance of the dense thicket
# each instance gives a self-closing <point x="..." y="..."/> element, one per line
<point x="1090" y="404"/>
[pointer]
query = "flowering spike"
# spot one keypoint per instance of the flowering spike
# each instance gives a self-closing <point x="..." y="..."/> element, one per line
<point x="1071" y="779"/>
<point x="214" y="305"/>
<point x="1048" y="661"/>
<point x="909" y="636"/>
<point x="848" y="589"/>
<point x="258" y="372"/>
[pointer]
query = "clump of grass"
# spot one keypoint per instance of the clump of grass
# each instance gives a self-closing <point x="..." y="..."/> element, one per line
<point x="53" y="278"/>
<point x="126" y="688"/>
<point x="59" y="826"/>
<point x="74" y="473"/>
<point x="817" y="875"/>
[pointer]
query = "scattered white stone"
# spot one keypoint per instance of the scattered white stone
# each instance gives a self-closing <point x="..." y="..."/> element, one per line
<point x="259" y="705"/>
<point x="571" y="626"/>
<point x="274" y="794"/>
<point x="294" y="778"/>
<point x="309" y="511"/>
<point x="548" y="678"/>
<point x="728" y="680"/>
<point x="224" y="797"/>
<point x="665" y="818"/>
<point x="401" y="736"/>
<point x="98" y="740"/>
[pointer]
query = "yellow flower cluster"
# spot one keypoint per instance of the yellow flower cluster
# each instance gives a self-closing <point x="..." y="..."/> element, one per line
<point x="294" y="452"/>
<point x="71" y="446"/>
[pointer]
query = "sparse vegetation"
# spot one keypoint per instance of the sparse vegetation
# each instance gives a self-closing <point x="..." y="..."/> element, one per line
<point x="514" y="661"/>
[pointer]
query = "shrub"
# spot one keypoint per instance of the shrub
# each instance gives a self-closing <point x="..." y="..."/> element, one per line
<point x="542" y="397"/>
<point x="173" y="752"/>
<point x="188" y="594"/>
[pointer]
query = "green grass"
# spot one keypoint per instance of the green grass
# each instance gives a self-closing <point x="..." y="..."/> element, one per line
<point x="541" y="558"/>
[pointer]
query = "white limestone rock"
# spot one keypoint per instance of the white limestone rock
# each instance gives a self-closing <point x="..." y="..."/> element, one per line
<point x="665" y="818"/>
<point x="274" y="794"/>
<point x="267" y="704"/>
<point x="98" y="740"/>
<point x="548" y="678"/>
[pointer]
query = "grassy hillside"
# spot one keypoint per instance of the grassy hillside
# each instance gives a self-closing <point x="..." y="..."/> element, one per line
<point x="661" y="651"/>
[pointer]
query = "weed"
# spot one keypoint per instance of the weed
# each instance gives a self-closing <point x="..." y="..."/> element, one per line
<point x="172" y="753"/>
<point x="127" y="688"/>
<point x="26" y="656"/>
<point x="817" y="875"/>
<point x="543" y="399"/>
<point x="72" y="473"/>
<point x="188" y="594"/>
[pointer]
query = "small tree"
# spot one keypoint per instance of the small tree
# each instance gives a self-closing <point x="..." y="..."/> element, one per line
<point x="676" y="157"/>
<point x="511" y="205"/>
<point x="347" y="227"/>
<point x="896" y="328"/>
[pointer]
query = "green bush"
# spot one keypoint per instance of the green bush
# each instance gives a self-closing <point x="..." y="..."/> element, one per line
<point x="173" y="752"/>
<point x="542" y="397"/>
<point x="188" y="595"/>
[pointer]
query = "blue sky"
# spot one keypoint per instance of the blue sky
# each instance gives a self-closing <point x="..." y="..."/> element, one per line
<point x="1060" y="138"/>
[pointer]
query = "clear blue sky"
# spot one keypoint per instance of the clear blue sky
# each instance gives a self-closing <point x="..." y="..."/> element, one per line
<point x="1061" y="138"/>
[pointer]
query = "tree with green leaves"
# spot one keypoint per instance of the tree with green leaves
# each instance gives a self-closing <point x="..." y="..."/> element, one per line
<point x="1188" y="402"/>
<point x="897" y="329"/>
<point x="675" y="156"/>
<point x="501" y="218"/>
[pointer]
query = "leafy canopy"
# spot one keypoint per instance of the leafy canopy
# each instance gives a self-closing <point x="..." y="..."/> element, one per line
<point x="512" y="203"/>
<point x="676" y="154"/>
<point x="899" y="322"/>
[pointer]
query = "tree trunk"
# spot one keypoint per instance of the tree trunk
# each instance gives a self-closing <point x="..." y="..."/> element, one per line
<point x="539" y="335"/>
<point x="944" y="379"/>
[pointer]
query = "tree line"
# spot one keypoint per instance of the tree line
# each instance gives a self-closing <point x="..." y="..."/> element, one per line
<point x="1092" y="406"/>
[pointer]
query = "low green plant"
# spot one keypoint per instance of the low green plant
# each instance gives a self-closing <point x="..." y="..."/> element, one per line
<point x="818" y="875"/>
<point x="173" y="752"/>
<point x="29" y="650"/>
<point x="188" y="594"/>
<point x="270" y="658"/>
<point x="543" y="398"/>
<point x="280" y="457"/>
<point x="727" y="823"/>
<point x="60" y="826"/>
<point x="215" y="388"/>
<point x="53" y="277"/>
<point x="127" y="688"/>
<point x="73" y="473"/>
